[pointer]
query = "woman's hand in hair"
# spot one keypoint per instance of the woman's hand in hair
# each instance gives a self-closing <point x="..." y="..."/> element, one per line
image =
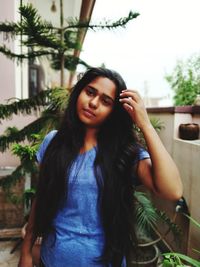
<point x="159" y="173"/>
<point x="134" y="105"/>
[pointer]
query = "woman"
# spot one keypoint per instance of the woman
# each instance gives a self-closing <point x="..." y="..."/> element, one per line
<point x="84" y="207"/>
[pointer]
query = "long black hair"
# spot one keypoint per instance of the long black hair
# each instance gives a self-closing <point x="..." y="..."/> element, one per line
<point x="116" y="154"/>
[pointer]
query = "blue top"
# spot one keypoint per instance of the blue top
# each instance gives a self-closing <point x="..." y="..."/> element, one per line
<point x="78" y="238"/>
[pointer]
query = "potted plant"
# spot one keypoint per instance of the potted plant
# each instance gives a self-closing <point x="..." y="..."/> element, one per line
<point x="189" y="131"/>
<point x="147" y="220"/>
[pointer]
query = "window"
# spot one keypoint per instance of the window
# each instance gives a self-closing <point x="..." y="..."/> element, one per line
<point x="36" y="79"/>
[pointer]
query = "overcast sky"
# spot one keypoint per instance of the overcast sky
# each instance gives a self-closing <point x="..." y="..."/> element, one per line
<point x="150" y="45"/>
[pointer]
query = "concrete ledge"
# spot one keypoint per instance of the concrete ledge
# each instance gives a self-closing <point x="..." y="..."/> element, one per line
<point x="178" y="109"/>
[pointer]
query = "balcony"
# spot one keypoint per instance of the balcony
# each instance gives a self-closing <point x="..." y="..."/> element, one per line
<point x="186" y="154"/>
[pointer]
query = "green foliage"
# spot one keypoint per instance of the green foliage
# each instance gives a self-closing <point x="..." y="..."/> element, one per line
<point x="55" y="42"/>
<point x="24" y="152"/>
<point x="148" y="217"/>
<point x="185" y="81"/>
<point x="177" y="260"/>
<point x="146" y="214"/>
<point x="26" y="106"/>
<point x="52" y="101"/>
<point x="174" y="259"/>
<point x="70" y="62"/>
<point x="156" y="123"/>
<point x="28" y="165"/>
<point x="103" y="25"/>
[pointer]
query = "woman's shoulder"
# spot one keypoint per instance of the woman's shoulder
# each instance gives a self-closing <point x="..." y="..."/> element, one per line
<point x="142" y="153"/>
<point x="50" y="135"/>
<point x="43" y="146"/>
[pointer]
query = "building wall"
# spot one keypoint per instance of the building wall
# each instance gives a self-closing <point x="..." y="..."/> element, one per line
<point x="186" y="154"/>
<point x="13" y="76"/>
<point x="7" y="73"/>
<point x="166" y="132"/>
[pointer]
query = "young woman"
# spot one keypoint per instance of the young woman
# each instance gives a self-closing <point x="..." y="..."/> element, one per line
<point x="84" y="207"/>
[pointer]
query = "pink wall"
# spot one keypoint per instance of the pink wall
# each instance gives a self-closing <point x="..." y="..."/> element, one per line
<point x="7" y="68"/>
<point x="7" y="77"/>
<point x="6" y="158"/>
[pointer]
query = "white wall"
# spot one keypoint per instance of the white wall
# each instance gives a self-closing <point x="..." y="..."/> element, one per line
<point x="186" y="154"/>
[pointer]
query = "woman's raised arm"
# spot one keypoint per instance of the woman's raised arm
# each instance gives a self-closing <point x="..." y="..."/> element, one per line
<point x="159" y="173"/>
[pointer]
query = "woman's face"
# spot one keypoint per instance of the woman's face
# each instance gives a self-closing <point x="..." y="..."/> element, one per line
<point x="96" y="101"/>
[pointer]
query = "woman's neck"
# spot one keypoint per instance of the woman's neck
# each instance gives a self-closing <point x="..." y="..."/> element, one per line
<point x="90" y="139"/>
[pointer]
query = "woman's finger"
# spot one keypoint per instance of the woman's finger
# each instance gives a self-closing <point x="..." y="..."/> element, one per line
<point x="128" y="100"/>
<point x="130" y="93"/>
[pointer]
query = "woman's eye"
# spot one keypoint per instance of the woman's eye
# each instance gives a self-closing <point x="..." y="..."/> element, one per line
<point x="107" y="102"/>
<point x="90" y="91"/>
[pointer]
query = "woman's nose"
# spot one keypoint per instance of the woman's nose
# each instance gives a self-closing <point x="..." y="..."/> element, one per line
<point x="94" y="102"/>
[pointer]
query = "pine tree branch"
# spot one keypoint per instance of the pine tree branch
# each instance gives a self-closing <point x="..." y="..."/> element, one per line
<point x="39" y="32"/>
<point x="9" y="180"/>
<point x="19" y="173"/>
<point x="25" y="106"/>
<point x="48" y="121"/>
<point x="7" y="52"/>
<point x="71" y="62"/>
<point x="70" y="39"/>
<point x="9" y="27"/>
<point x="56" y="101"/>
<point x="53" y="99"/>
<point x="106" y="25"/>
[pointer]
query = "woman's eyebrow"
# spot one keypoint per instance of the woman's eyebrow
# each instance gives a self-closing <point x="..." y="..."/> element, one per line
<point x="105" y="95"/>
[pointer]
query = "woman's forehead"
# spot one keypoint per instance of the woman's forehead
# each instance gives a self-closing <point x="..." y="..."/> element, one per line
<point x="103" y="85"/>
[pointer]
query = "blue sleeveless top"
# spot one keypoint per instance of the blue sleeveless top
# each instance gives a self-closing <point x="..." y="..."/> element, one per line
<point x="78" y="239"/>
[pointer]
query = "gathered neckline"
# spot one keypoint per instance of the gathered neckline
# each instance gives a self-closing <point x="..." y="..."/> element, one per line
<point x="88" y="151"/>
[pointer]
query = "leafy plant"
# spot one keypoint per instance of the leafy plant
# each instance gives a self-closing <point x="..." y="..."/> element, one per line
<point x="148" y="217"/>
<point x="177" y="259"/>
<point x="185" y="81"/>
<point x="156" y="123"/>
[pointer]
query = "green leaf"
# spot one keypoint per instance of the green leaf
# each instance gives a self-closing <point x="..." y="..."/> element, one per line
<point x="187" y="259"/>
<point x="145" y="212"/>
<point x="192" y="220"/>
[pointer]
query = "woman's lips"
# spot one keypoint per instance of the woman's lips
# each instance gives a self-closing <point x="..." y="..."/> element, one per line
<point x="88" y="113"/>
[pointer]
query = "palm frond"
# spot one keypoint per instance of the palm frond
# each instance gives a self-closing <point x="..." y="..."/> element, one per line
<point x="146" y="215"/>
<point x="157" y="124"/>
<point x="192" y="220"/>
<point x="173" y="227"/>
